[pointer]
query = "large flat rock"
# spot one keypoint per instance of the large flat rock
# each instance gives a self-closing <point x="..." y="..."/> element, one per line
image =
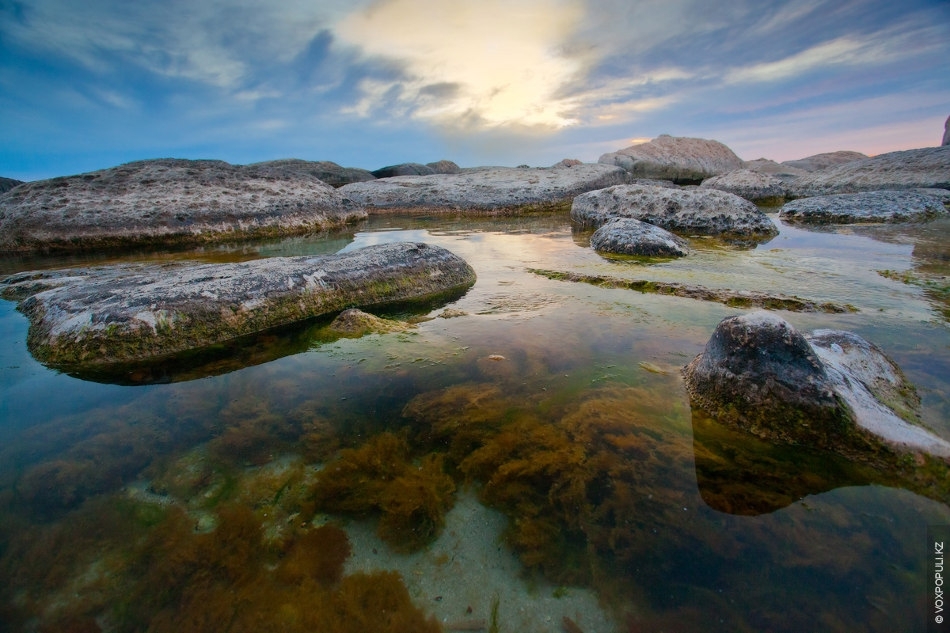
<point x="492" y="190"/>
<point x="102" y="316"/>
<point x="909" y="169"/>
<point x="682" y="160"/>
<point x="871" y="206"/>
<point x="169" y="201"/>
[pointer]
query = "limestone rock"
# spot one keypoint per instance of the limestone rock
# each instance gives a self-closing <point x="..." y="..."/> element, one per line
<point x="748" y="184"/>
<point x="568" y="162"/>
<point x="946" y="133"/>
<point x="86" y="318"/>
<point x="355" y="323"/>
<point x="682" y="160"/>
<point x="771" y="168"/>
<point x="443" y="167"/>
<point x="404" y="169"/>
<point x="824" y="161"/>
<point x="870" y="206"/>
<point x="6" y="184"/>
<point x="168" y="201"/>
<point x="626" y="236"/>
<point x="831" y="391"/>
<point x="909" y="169"/>
<point x="692" y="211"/>
<point x="327" y="171"/>
<point x="490" y="190"/>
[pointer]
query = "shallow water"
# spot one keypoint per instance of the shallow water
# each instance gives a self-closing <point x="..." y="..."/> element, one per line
<point x="557" y="405"/>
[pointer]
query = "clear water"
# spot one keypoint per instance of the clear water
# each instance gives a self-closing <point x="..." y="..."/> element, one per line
<point x="546" y="429"/>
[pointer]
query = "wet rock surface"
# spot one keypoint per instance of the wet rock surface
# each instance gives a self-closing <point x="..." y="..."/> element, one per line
<point x="832" y="391"/>
<point x="168" y="201"/>
<point x="88" y="317"/>
<point x="909" y="169"/>
<point x="871" y="206"/>
<point x="751" y="185"/>
<point x="491" y="190"/>
<point x="682" y="160"/>
<point x="626" y="236"/>
<point x="691" y="211"/>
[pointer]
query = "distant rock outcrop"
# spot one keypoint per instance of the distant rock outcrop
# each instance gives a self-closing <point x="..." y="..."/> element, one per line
<point x="751" y="185"/>
<point x="405" y="169"/>
<point x="329" y="172"/>
<point x="490" y="190"/>
<point x="778" y="170"/>
<point x="443" y="167"/>
<point x="166" y="201"/>
<point x="946" y="133"/>
<point x="872" y="206"/>
<point x="691" y="211"/>
<point x="824" y="161"/>
<point x="626" y="236"/>
<point x="6" y="184"/>
<point x="682" y="160"/>
<point x="89" y="318"/>
<point x="909" y="169"/>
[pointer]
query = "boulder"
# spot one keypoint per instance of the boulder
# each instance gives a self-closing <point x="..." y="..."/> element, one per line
<point x="490" y="190"/>
<point x="354" y="323"/>
<point x="832" y="391"/>
<point x="626" y="236"/>
<point x="693" y="211"/>
<point x="909" y="169"/>
<point x="751" y="185"/>
<point x="6" y="184"/>
<point x="824" y="161"/>
<point x="168" y="201"/>
<point x="567" y="162"/>
<point x="443" y="167"/>
<point x="88" y="318"/>
<point x="329" y="172"/>
<point x="682" y="160"/>
<point x="946" y="133"/>
<point x="871" y="206"/>
<point x="771" y="168"/>
<point x="405" y="169"/>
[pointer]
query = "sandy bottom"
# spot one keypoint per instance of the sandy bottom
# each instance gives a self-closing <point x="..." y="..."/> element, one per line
<point x="459" y="576"/>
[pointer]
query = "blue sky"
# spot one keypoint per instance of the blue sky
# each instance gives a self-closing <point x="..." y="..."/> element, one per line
<point x="92" y="84"/>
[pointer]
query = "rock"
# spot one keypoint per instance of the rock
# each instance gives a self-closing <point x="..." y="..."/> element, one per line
<point x="88" y="318"/>
<point x="327" y="171"/>
<point x="682" y="160"/>
<point x="626" y="236"/>
<point x="442" y="167"/>
<point x="909" y="169"/>
<point x="693" y="211"/>
<point x="491" y="190"/>
<point x="783" y="172"/>
<point x="405" y="169"/>
<point x="167" y="201"/>
<point x="946" y="133"/>
<point x="355" y="323"/>
<point x="759" y="374"/>
<point x="6" y="184"/>
<point x="872" y="206"/>
<point x="567" y="162"/>
<point x="824" y="161"/>
<point x="751" y="185"/>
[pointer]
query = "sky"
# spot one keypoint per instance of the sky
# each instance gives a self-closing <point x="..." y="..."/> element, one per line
<point x="369" y="83"/>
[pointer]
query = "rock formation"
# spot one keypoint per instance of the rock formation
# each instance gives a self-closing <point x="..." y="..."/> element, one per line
<point x="682" y="160"/>
<point x="946" y="133"/>
<point x="771" y="168"/>
<point x="824" y="161"/>
<point x="6" y="184"/>
<point x="872" y="206"/>
<point x="404" y="169"/>
<point x="327" y="171"/>
<point x="693" y="211"/>
<point x="909" y="169"/>
<point x="168" y="201"/>
<point x="86" y="318"/>
<point x="626" y="236"/>
<point x="751" y="185"/>
<point x="443" y="167"/>
<point x="491" y="190"/>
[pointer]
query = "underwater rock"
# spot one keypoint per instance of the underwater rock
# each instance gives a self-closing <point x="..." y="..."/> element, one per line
<point x="871" y="206"/>
<point x="168" y="201"/>
<point x="752" y="185"/>
<point x="682" y="160"/>
<point x="693" y="211"/>
<point x="908" y="169"/>
<point x="626" y="236"/>
<point x="102" y="316"/>
<point x="832" y="392"/>
<point x="492" y="190"/>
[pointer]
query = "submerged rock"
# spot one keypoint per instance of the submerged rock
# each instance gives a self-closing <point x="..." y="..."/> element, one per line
<point x="824" y="161"/>
<point x="693" y="211"/>
<point x="832" y="391"/>
<point x="355" y="323"/>
<point x="89" y="317"/>
<point x="871" y="206"/>
<point x="751" y="185"/>
<point x="909" y="169"/>
<point x="682" y="160"/>
<point x="168" y="201"/>
<point x="492" y="190"/>
<point x="626" y="236"/>
<point x="327" y="171"/>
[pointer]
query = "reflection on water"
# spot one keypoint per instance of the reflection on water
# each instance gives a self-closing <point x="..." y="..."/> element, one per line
<point x="281" y="483"/>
